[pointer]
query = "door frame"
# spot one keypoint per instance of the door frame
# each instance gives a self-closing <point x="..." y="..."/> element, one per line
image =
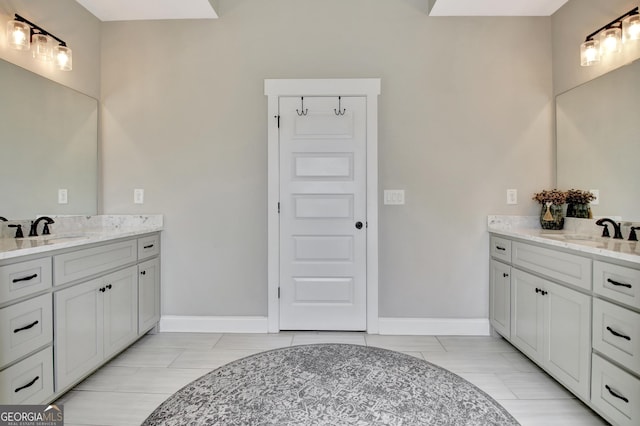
<point x="274" y="89"/>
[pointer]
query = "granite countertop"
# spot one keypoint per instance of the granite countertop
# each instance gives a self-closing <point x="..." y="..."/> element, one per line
<point x="75" y="231"/>
<point x="581" y="235"/>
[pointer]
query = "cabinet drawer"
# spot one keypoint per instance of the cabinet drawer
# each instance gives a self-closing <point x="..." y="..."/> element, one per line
<point x="24" y="278"/>
<point x="615" y="392"/>
<point x="83" y="263"/>
<point x="617" y="282"/>
<point x="28" y="382"/>
<point x="25" y="327"/>
<point x="554" y="264"/>
<point x="148" y="246"/>
<point x="616" y="333"/>
<point x="501" y="249"/>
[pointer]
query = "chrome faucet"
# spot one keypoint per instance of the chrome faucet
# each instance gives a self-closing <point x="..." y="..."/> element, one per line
<point x="33" y="232"/>
<point x="616" y="228"/>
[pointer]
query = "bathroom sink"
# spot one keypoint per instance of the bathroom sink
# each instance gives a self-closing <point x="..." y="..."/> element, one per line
<point x="52" y="239"/>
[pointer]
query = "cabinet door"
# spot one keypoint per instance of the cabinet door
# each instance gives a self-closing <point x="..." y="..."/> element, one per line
<point x="120" y="309"/>
<point x="148" y="295"/>
<point x="567" y="354"/>
<point x="527" y="325"/>
<point x="500" y="298"/>
<point x="78" y="331"/>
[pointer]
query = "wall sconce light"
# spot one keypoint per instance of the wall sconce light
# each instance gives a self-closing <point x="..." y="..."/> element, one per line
<point x="610" y="38"/>
<point x="25" y="35"/>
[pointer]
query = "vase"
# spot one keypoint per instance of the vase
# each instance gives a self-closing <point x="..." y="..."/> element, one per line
<point x="579" y="210"/>
<point x="551" y="216"/>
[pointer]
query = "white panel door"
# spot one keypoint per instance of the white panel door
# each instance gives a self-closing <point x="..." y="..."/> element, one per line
<point x="323" y="214"/>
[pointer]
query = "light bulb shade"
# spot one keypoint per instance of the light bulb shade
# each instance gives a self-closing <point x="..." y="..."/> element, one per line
<point x="42" y="47"/>
<point x="611" y="40"/>
<point x="631" y="28"/>
<point x="63" y="58"/>
<point x="589" y="53"/>
<point x="18" y="35"/>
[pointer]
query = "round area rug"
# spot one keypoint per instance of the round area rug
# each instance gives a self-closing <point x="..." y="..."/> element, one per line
<point x="330" y="384"/>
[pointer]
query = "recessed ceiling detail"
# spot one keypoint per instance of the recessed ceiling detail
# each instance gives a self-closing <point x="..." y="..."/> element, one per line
<point x="135" y="10"/>
<point x="495" y="7"/>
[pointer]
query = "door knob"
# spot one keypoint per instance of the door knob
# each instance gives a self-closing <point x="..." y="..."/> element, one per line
<point x="358" y="225"/>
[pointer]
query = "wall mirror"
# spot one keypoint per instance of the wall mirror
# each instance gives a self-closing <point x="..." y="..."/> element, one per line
<point x="48" y="141"/>
<point x="598" y="141"/>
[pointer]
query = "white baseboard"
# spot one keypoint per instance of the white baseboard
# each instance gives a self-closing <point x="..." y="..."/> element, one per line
<point x="435" y="326"/>
<point x="199" y="324"/>
<point x="390" y="326"/>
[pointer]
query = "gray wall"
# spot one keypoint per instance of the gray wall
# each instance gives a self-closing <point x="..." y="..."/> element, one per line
<point x="570" y="25"/>
<point x="465" y="113"/>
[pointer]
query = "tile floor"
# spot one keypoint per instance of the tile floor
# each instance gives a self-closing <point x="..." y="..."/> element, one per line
<point x="132" y="385"/>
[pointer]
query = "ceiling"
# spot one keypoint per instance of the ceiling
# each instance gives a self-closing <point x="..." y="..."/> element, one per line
<point x="132" y="10"/>
<point x="495" y="7"/>
<point x="135" y="10"/>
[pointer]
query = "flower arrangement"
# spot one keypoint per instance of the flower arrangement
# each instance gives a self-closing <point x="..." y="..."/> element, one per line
<point x="577" y="196"/>
<point x="554" y="196"/>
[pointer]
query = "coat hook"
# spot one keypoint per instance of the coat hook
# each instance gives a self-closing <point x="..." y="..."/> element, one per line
<point x="339" y="111"/>
<point x="302" y="110"/>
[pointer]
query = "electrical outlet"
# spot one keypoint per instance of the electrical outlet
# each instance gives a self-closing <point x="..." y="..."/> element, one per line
<point x="63" y="196"/>
<point x="512" y="196"/>
<point x="596" y="200"/>
<point x="394" y="196"/>
<point x="138" y="196"/>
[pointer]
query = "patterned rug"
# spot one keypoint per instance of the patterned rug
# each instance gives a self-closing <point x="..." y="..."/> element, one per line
<point x="330" y="384"/>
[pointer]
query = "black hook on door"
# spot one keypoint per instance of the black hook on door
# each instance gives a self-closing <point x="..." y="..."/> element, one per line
<point x="339" y="111"/>
<point x="302" y="110"/>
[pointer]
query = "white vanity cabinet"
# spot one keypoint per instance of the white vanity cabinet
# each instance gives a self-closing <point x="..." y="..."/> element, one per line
<point x="148" y="295"/>
<point x="615" y="382"/>
<point x="94" y="320"/>
<point x="26" y="331"/>
<point x="500" y="297"/>
<point x="66" y="313"/>
<point x="551" y="324"/>
<point x="576" y="314"/>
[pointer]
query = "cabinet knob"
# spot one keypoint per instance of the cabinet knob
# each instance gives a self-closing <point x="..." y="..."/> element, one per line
<point x="101" y="289"/>
<point x="358" y="225"/>
<point x="504" y="274"/>
<point x="109" y="286"/>
<point x="143" y="272"/>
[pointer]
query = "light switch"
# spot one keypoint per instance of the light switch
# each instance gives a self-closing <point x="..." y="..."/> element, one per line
<point x="63" y="196"/>
<point x="138" y="196"/>
<point x="394" y="196"/>
<point x="512" y="196"/>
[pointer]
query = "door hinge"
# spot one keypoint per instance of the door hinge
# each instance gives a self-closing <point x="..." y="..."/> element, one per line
<point x="278" y="292"/>
<point x="278" y="207"/>
<point x="366" y="224"/>
<point x="278" y="118"/>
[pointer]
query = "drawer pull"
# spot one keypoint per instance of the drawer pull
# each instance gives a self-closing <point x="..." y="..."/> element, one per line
<point x="29" y="278"/>
<point x="148" y="247"/>
<point x="26" y="327"/>
<point x="616" y="394"/>
<point x="500" y="248"/>
<point x="615" y="333"/>
<point x="609" y="280"/>
<point x="27" y="385"/>
<point x="504" y="274"/>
